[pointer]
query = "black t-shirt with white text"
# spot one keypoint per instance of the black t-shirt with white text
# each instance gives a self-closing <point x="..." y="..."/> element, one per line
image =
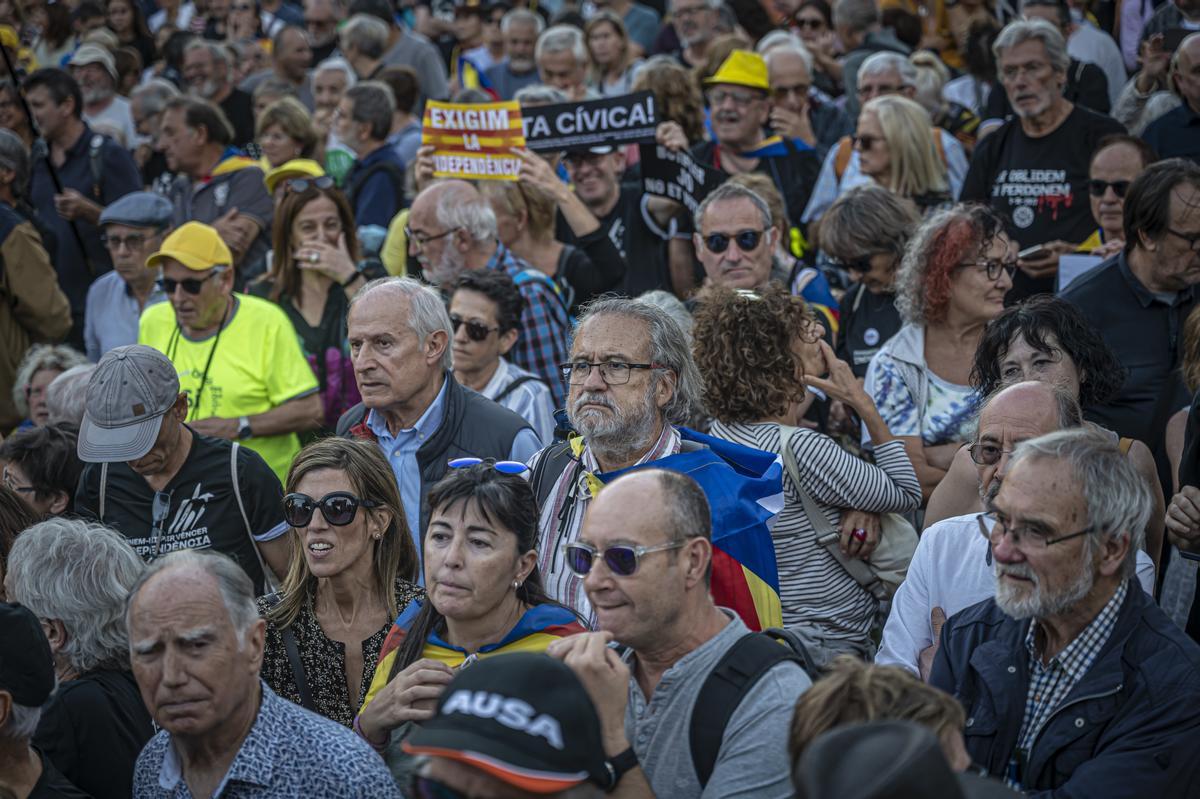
<point x="202" y="509"/>
<point x="1039" y="185"/>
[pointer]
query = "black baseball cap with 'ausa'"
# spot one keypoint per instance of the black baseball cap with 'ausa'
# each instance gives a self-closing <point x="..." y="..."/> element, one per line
<point x="128" y="395"/>
<point x="26" y="664"/>
<point x="524" y="718"/>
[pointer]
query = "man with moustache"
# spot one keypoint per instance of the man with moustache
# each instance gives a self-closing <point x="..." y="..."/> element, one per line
<point x="1074" y="682"/>
<point x="520" y="29"/>
<point x="951" y="568"/>
<point x="734" y="238"/>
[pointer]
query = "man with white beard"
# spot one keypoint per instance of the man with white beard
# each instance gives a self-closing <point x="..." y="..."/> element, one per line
<point x="1073" y="681"/>
<point x="208" y="72"/>
<point x="952" y="567"/>
<point x="96" y="71"/>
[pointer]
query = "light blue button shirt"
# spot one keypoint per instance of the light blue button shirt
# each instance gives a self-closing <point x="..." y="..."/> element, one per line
<point x="111" y="318"/>
<point x="401" y="452"/>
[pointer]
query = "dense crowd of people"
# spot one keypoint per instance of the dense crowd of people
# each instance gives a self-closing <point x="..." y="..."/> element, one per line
<point x="866" y="464"/>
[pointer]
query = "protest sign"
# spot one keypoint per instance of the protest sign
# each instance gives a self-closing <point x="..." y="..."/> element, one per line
<point x="627" y="119"/>
<point x="677" y="176"/>
<point x="474" y="141"/>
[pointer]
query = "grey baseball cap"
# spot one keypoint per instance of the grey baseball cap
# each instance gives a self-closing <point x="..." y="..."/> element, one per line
<point x="131" y="390"/>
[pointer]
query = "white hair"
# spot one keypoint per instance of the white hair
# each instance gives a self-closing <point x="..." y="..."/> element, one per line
<point x="67" y="394"/>
<point x="59" y="357"/>
<point x="473" y="215"/>
<point x="369" y="35"/>
<point x="879" y="63"/>
<point x="561" y="39"/>
<point x="519" y="15"/>
<point x="337" y="64"/>
<point x="788" y="46"/>
<point x="22" y="722"/>
<point x="1027" y="30"/>
<point x="234" y="585"/>
<point x="426" y="309"/>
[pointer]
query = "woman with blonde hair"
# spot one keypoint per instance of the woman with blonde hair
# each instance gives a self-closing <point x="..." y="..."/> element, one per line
<point x="284" y="131"/>
<point x="609" y="49"/>
<point x="896" y="148"/>
<point x="353" y="568"/>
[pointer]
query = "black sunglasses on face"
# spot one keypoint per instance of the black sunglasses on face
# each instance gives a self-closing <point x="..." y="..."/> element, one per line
<point x="338" y="508"/>
<point x="1097" y="187"/>
<point x="191" y="285"/>
<point x="324" y="183"/>
<point x="746" y="240"/>
<point x="476" y="331"/>
<point x="865" y="141"/>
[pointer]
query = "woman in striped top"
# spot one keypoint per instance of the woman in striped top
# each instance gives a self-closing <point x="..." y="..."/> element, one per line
<point x="757" y="351"/>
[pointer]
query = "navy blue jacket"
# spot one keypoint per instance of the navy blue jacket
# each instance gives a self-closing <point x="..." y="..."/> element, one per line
<point x="1129" y="728"/>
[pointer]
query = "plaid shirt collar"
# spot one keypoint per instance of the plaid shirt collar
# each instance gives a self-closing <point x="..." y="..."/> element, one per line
<point x="1079" y="655"/>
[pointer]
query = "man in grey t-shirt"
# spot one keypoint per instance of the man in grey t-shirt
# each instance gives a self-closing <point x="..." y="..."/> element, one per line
<point x="646" y="573"/>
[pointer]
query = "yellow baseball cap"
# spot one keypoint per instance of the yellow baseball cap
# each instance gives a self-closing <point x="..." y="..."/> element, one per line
<point x="195" y="245"/>
<point x="296" y="168"/>
<point x="742" y="68"/>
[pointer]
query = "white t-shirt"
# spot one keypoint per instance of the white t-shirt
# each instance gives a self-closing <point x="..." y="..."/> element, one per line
<point x="116" y="118"/>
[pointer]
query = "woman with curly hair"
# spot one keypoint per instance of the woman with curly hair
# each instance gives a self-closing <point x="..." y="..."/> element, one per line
<point x="952" y="281"/>
<point x="757" y="352"/>
<point x="1049" y="340"/>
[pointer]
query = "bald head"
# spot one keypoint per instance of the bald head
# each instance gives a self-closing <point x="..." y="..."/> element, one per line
<point x="1014" y="414"/>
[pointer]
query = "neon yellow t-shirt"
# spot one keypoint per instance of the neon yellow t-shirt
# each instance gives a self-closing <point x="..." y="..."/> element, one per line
<point x="258" y="365"/>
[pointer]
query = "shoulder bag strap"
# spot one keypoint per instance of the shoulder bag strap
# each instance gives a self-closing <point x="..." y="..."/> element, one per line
<point x="103" y="488"/>
<point x="269" y="583"/>
<point x="513" y="386"/>
<point x="293" y="655"/>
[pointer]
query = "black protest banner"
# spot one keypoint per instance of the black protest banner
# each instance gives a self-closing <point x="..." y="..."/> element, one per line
<point x="677" y="176"/>
<point x="627" y="119"/>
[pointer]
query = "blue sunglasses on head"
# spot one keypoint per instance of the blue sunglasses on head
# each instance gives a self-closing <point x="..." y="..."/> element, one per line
<point x="504" y="467"/>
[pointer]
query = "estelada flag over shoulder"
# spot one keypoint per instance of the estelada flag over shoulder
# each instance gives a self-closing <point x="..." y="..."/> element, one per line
<point x="744" y="488"/>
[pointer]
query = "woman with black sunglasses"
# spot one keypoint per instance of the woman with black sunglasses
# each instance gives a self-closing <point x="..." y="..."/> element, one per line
<point x="353" y="567"/>
<point x="484" y="598"/>
<point x="315" y="270"/>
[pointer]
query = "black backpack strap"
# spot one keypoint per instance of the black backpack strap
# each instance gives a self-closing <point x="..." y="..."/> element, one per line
<point x="293" y="655"/>
<point x="511" y="387"/>
<point x="395" y="172"/>
<point x="738" y="670"/>
<point x="556" y="458"/>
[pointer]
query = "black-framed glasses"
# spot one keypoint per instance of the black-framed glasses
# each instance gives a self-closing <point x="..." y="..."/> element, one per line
<point x="338" y="508"/>
<point x="132" y="242"/>
<point x="992" y="267"/>
<point x="421" y="241"/>
<point x="428" y="788"/>
<point x="746" y="241"/>
<point x="476" y="331"/>
<point x="783" y="92"/>
<point x="1036" y="538"/>
<point x="1096" y="188"/>
<point x="10" y="481"/>
<point x="987" y="454"/>
<point x="1193" y="239"/>
<point x="621" y="559"/>
<point x="298" y="185"/>
<point x="613" y="373"/>
<point x="865" y="141"/>
<point x="191" y="285"/>
<point x="504" y="467"/>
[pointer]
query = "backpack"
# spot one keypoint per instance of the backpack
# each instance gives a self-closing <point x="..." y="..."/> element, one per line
<point x="395" y="173"/>
<point x="738" y="670"/>
<point x="536" y="276"/>
<point x="845" y="148"/>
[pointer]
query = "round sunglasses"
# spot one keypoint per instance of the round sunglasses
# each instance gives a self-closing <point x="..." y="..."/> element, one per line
<point x="621" y="559"/>
<point x="746" y="241"/>
<point x="338" y="508"/>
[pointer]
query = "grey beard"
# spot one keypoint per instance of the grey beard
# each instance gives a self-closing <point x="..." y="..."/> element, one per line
<point x="1037" y="604"/>
<point x="96" y="95"/>
<point x="618" y="436"/>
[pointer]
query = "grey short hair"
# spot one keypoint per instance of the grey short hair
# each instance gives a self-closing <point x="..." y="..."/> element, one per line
<point x="339" y="64"/>
<point x="561" y="39"/>
<point x="153" y="95"/>
<point x="669" y="346"/>
<point x="1117" y="498"/>
<point x="372" y="102"/>
<point x="22" y="722"/>
<point x="468" y="211"/>
<point x="219" y="52"/>
<point x="67" y="394"/>
<point x="237" y="591"/>
<point x="369" y="35"/>
<point x="426" y="310"/>
<point x="672" y="305"/>
<point x="78" y="572"/>
<point x="39" y="357"/>
<point x="879" y="63"/>
<point x="539" y="94"/>
<point x="786" y="43"/>
<point x="519" y="15"/>
<point x="14" y="157"/>
<point x="866" y="220"/>
<point x="857" y="15"/>
<point x="1026" y="30"/>
<point x="733" y="191"/>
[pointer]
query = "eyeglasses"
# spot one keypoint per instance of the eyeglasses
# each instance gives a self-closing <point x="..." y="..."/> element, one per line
<point x="783" y="92"/>
<point x="1191" y="238"/>
<point x="862" y="265"/>
<point x="718" y="97"/>
<point x="476" y="331"/>
<point x="987" y="454"/>
<point x="243" y="8"/>
<point x="1097" y="187"/>
<point x="810" y="24"/>
<point x="420" y="240"/>
<point x="191" y="285"/>
<point x="866" y="141"/>
<point x="132" y="242"/>
<point x="338" y="508"/>
<point x="1016" y="70"/>
<point x="1038" y="539"/>
<point x="622" y="559"/>
<point x="613" y="373"/>
<point x="504" y="467"/>
<point x="323" y="183"/>
<point x="10" y="481"/>
<point x="746" y="240"/>
<point x="875" y="91"/>
<point x="426" y="788"/>
<point x="993" y="267"/>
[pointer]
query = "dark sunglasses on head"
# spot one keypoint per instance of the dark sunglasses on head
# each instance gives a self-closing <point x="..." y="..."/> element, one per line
<point x="504" y="467"/>
<point x="746" y="240"/>
<point x="476" y="331"/>
<point x="1097" y="187"/>
<point x="323" y="183"/>
<point x="622" y="559"/>
<point x="338" y="508"/>
<point x="191" y="285"/>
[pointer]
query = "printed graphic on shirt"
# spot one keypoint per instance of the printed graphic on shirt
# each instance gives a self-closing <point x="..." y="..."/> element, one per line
<point x="181" y="529"/>
<point x="1033" y="193"/>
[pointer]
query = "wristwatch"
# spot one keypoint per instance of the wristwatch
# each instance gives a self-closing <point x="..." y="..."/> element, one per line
<point x="618" y="766"/>
<point x="244" y="430"/>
